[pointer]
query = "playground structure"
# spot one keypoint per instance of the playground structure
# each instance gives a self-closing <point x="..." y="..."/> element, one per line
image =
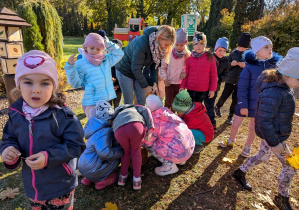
<point x="135" y="28"/>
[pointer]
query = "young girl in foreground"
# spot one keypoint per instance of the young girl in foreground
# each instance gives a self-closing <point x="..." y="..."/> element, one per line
<point x="273" y="123"/>
<point x="43" y="133"/>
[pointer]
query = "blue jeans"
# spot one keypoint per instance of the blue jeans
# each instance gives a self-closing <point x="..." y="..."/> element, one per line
<point x="209" y="102"/>
<point x="127" y="86"/>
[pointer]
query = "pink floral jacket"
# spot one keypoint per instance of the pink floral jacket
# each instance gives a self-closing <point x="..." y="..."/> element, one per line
<point x="171" y="138"/>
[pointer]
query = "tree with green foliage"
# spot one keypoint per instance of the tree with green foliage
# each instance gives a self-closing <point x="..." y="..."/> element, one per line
<point x="49" y="23"/>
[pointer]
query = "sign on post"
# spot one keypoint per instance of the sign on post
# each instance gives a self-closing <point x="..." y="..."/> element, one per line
<point x="189" y="22"/>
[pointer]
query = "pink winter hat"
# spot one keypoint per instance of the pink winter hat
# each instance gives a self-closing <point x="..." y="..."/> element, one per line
<point x="93" y="39"/>
<point x="36" y="62"/>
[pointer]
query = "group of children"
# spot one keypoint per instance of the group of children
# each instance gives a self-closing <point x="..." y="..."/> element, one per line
<point x="46" y="136"/>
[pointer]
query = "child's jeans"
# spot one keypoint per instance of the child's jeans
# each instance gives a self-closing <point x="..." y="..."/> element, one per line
<point x="64" y="202"/>
<point x="235" y="129"/>
<point x="286" y="175"/>
<point x="129" y="136"/>
<point x="209" y="104"/>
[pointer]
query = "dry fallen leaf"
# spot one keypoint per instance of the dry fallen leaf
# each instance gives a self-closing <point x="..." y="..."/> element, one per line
<point x="228" y="160"/>
<point x="265" y="199"/>
<point x="294" y="201"/>
<point x="9" y="193"/>
<point x="110" y="206"/>
<point x="258" y="206"/>
<point x="78" y="173"/>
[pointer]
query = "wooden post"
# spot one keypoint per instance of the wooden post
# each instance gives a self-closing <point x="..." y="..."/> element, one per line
<point x="11" y="46"/>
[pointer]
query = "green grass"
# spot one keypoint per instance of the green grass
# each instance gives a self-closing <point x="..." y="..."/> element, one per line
<point x="71" y="45"/>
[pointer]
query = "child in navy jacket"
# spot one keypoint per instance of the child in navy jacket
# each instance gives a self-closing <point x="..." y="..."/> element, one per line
<point x="42" y="133"/>
<point x="258" y="59"/>
<point x="273" y="123"/>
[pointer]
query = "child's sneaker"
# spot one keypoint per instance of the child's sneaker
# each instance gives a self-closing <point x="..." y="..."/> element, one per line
<point x="106" y="182"/>
<point x="166" y="169"/>
<point x="122" y="180"/>
<point x="226" y="143"/>
<point x="182" y="163"/>
<point x="136" y="183"/>
<point x="230" y="119"/>
<point x="217" y="111"/>
<point x="198" y="148"/>
<point x="246" y="151"/>
<point x="86" y="181"/>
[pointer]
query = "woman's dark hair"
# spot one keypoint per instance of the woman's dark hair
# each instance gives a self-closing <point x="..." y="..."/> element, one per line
<point x="57" y="98"/>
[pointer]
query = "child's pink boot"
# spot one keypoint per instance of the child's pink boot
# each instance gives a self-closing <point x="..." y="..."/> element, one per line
<point x="86" y="181"/>
<point x="106" y="182"/>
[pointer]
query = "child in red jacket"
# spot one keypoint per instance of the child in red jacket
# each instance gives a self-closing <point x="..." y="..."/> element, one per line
<point x="194" y="115"/>
<point x="201" y="75"/>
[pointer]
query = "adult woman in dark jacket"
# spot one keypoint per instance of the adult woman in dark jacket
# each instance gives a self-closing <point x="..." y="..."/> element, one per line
<point x="146" y="50"/>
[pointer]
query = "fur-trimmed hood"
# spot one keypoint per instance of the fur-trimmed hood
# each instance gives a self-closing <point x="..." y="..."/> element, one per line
<point x="250" y="58"/>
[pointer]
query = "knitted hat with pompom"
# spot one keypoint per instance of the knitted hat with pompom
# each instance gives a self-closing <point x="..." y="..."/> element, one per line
<point x="182" y="102"/>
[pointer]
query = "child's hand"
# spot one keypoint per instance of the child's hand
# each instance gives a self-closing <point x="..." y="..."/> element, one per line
<point x="72" y="59"/>
<point x="183" y="75"/>
<point x="181" y="89"/>
<point x="115" y="87"/>
<point x="148" y="135"/>
<point x="10" y="154"/>
<point x="36" y="161"/>
<point x="113" y="79"/>
<point x="244" y="111"/>
<point x="234" y="63"/>
<point x="211" y="94"/>
<point x="242" y="64"/>
<point x="167" y="83"/>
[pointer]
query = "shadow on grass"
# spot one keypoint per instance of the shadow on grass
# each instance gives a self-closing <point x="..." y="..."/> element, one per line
<point x="153" y="189"/>
<point x="223" y="195"/>
<point x="221" y="128"/>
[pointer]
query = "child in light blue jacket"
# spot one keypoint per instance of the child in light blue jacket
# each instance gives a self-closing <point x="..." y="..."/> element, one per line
<point x="93" y="71"/>
<point x="102" y="155"/>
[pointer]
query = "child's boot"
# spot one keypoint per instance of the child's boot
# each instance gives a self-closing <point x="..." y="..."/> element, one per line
<point x="122" y="180"/>
<point x="86" y="181"/>
<point x="166" y="169"/>
<point x="226" y="143"/>
<point x="246" y="151"/>
<point x="136" y="183"/>
<point x="106" y="182"/>
<point x="217" y="111"/>
<point x="230" y="119"/>
<point x="282" y="202"/>
<point x="198" y="148"/>
<point x="240" y="177"/>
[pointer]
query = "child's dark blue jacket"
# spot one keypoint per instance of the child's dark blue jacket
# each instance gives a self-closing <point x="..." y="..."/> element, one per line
<point x="60" y="134"/>
<point x="222" y="68"/>
<point x="274" y="112"/>
<point x="247" y="94"/>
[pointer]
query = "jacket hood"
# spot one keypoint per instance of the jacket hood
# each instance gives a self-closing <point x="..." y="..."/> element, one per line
<point x="93" y="125"/>
<point x="251" y="59"/>
<point x="198" y="110"/>
<point x="150" y="29"/>
<point x="164" y="114"/>
<point x="260" y="85"/>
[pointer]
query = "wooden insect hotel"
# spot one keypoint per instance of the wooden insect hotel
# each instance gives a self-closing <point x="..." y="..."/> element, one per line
<point x="11" y="46"/>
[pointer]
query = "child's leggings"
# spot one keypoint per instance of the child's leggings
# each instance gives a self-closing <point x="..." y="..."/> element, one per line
<point x="129" y="136"/>
<point x="235" y="129"/>
<point x="64" y="202"/>
<point x="265" y="152"/>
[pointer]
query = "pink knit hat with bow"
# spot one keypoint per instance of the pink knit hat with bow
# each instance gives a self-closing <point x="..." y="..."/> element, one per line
<point x="36" y="62"/>
<point x="93" y="39"/>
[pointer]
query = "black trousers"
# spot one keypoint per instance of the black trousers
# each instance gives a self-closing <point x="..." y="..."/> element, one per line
<point x="229" y="89"/>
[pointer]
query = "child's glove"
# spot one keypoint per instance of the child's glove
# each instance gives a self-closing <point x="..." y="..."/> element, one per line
<point x="102" y="33"/>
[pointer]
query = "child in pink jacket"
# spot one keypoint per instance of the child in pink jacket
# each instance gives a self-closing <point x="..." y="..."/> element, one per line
<point x="172" y="68"/>
<point x="171" y="141"/>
